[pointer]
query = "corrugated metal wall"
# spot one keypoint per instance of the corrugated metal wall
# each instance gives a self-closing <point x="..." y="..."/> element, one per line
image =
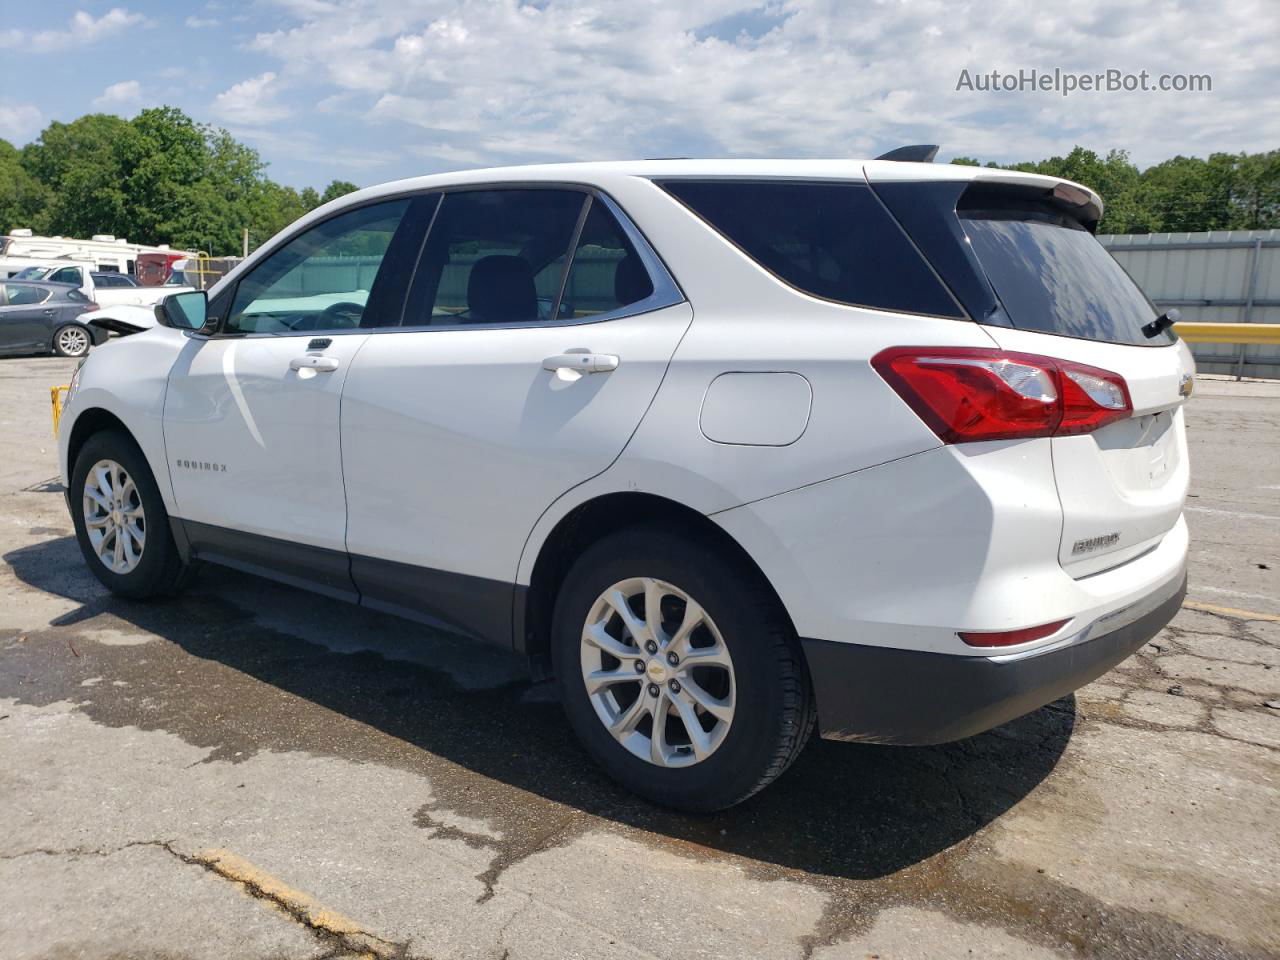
<point x="1227" y="276"/>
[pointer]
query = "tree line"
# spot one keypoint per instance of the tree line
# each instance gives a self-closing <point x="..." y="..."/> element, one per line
<point x="1229" y="191"/>
<point x="160" y="177"/>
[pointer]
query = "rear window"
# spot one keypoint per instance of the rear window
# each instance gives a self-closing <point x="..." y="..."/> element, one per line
<point x="830" y="240"/>
<point x="1053" y="276"/>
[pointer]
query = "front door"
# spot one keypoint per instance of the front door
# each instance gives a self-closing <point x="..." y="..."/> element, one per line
<point x="519" y="372"/>
<point x="251" y="414"/>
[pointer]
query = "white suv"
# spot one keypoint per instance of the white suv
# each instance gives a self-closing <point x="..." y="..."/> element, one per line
<point x="728" y="447"/>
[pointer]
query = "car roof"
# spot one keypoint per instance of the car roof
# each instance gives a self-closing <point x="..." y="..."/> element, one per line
<point x="44" y="284"/>
<point x="600" y="172"/>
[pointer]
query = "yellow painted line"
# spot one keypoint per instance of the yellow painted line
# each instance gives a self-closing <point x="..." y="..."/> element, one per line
<point x="301" y="905"/>
<point x="1230" y="611"/>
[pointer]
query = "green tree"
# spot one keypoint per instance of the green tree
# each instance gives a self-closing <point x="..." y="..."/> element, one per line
<point x="336" y="189"/>
<point x="23" y="198"/>
<point x="80" y="165"/>
<point x="1255" y="193"/>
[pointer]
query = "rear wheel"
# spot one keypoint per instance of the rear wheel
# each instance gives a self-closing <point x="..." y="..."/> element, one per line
<point x="72" y="340"/>
<point x="120" y="519"/>
<point x="677" y="670"/>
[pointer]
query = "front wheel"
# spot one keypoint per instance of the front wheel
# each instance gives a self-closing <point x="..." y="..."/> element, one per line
<point x="678" y="671"/>
<point x="120" y="519"/>
<point x="72" y="340"/>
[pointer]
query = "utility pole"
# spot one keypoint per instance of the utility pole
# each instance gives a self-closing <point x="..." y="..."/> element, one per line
<point x="246" y="241"/>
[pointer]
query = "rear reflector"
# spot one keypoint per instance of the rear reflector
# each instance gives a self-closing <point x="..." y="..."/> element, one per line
<point x="1010" y="638"/>
<point x="966" y="394"/>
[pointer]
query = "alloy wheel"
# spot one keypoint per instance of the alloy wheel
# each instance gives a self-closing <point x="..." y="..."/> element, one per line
<point x="113" y="516"/>
<point x="658" y="672"/>
<point x="73" y="341"/>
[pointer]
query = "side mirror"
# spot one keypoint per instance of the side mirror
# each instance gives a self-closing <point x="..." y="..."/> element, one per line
<point x="184" y="311"/>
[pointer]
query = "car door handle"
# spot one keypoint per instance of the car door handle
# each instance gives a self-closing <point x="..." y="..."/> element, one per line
<point x="571" y="366"/>
<point x="312" y="362"/>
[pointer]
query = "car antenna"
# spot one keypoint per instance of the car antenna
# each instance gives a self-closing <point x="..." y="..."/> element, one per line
<point x="915" y="153"/>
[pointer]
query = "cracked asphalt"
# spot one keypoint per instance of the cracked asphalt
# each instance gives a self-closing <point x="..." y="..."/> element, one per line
<point x="254" y="772"/>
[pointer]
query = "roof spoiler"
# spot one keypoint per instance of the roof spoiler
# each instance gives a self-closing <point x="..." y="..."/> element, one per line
<point x="915" y="153"/>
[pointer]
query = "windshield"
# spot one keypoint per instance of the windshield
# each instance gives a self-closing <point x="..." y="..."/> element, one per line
<point x="177" y="279"/>
<point x="1053" y="276"/>
<point x="29" y="273"/>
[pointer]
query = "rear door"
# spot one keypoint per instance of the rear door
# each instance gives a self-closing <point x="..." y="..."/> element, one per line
<point x="461" y="427"/>
<point x="1122" y="487"/>
<point x="26" y="317"/>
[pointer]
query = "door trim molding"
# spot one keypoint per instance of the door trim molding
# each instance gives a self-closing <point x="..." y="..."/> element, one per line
<point x="475" y="607"/>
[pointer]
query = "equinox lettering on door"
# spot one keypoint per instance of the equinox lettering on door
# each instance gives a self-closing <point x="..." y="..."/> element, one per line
<point x="201" y="465"/>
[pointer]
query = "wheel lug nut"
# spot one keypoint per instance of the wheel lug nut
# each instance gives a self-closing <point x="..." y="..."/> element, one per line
<point x="651" y="647"/>
<point x="653" y="689"/>
<point x="672" y="658"/>
<point x="639" y="666"/>
<point x="674" y="685"/>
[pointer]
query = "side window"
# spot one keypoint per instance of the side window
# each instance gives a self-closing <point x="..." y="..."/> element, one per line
<point x="607" y="273"/>
<point x="19" y="294"/>
<point x="494" y="256"/>
<point x="831" y="240"/>
<point x="68" y="275"/>
<point x="319" y="280"/>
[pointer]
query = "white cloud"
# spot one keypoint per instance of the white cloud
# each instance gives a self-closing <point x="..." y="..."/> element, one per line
<point x="83" y="29"/>
<point x="507" y="81"/>
<point x="251" y="102"/>
<point x="199" y="23"/>
<point x="19" y="122"/>
<point x="119" y="94"/>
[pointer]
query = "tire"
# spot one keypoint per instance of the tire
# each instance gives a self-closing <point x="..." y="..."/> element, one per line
<point x="72" y="340"/>
<point x="157" y="569"/>
<point x="767" y="690"/>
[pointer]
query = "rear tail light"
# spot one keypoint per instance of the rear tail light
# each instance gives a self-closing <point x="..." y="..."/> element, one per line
<point x="1009" y="638"/>
<point x="965" y="394"/>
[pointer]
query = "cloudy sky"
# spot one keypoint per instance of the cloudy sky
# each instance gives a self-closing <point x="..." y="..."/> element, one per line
<point x="371" y="90"/>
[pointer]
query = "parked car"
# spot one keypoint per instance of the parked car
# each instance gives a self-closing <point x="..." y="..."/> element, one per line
<point x="45" y="317"/>
<point x="113" y="289"/>
<point x="729" y="448"/>
<point x="109" y="280"/>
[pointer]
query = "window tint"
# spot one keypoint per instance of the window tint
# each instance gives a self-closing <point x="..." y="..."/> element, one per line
<point x="1052" y="275"/>
<point x="606" y="273"/>
<point x="68" y="275"/>
<point x="832" y="240"/>
<point x="18" y="294"/>
<point x="319" y="280"/>
<point x="494" y="256"/>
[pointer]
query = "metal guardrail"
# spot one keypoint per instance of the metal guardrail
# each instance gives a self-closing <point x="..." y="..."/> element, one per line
<point x="1241" y="333"/>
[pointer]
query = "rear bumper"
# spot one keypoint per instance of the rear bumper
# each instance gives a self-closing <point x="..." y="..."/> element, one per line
<point x="895" y="696"/>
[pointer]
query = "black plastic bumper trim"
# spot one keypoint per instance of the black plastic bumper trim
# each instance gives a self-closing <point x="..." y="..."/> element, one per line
<point x="909" y="697"/>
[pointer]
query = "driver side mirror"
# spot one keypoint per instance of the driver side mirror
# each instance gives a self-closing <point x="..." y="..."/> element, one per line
<point x="184" y="311"/>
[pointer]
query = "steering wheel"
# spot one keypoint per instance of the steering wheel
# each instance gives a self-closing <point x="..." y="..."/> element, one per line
<point x="342" y="314"/>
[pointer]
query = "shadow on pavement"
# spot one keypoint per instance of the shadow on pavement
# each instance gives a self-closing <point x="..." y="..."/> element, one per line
<point x="844" y="810"/>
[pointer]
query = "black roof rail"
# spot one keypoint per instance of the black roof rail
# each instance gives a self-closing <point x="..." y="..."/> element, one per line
<point x="915" y="153"/>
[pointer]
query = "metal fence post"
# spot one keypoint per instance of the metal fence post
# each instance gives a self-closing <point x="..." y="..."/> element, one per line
<point x="1247" y="315"/>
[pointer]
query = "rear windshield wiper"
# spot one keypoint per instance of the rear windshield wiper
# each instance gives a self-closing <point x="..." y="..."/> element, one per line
<point x="1161" y="323"/>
